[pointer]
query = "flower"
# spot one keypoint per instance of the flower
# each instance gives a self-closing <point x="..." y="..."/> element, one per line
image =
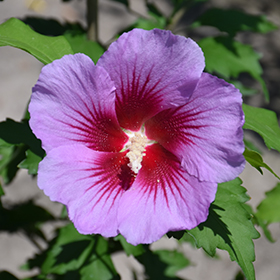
<point x="137" y="143"/>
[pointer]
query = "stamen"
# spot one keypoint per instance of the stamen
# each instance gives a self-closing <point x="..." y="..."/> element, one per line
<point x="136" y="147"/>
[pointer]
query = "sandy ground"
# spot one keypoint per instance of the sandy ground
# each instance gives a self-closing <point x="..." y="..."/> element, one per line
<point x="19" y="72"/>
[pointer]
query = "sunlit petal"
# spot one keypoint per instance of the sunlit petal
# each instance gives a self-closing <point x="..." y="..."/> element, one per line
<point x="74" y="102"/>
<point x="206" y="134"/>
<point x="90" y="183"/>
<point x="163" y="197"/>
<point x="152" y="71"/>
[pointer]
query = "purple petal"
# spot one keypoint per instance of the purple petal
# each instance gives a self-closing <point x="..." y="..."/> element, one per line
<point x="206" y="134"/>
<point x="162" y="198"/>
<point x="74" y="102"/>
<point x="88" y="183"/>
<point x="152" y="70"/>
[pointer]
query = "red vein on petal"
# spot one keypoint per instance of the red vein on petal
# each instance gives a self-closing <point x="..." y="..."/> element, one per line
<point x="109" y="170"/>
<point x="159" y="173"/>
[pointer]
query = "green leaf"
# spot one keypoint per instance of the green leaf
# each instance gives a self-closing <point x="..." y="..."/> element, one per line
<point x="20" y="133"/>
<point x="229" y="227"/>
<point x="68" y="252"/>
<point x="99" y="266"/>
<point x="6" y="152"/>
<point x="255" y="159"/>
<point x="10" y="156"/>
<point x="75" y="256"/>
<point x="159" y="265"/>
<point x="175" y="261"/>
<point x="130" y="249"/>
<point x="269" y="208"/>
<point x="48" y="27"/>
<point x="251" y="146"/>
<point x="257" y="221"/>
<point x="25" y="218"/>
<point x="176" y="234"/>
<point x="16" y="34"/>
<point x="233" y="21"/>
<point x="80" y="44"/>
<point x="1" y="190"/>
<point x="264" y="227"/>
<point x="31" y="162"/>
<point x="5" y="275"/>
<point x="265" y="123"/>
<point x="230" y="58"/>
<point x="189" y="239"/>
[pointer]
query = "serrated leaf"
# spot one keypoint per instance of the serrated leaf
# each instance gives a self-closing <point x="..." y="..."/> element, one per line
<point x="229" y="227"/>
<point x="189" y="239"/>
<point x="68" y="252"/>
<point x="16" y="34"/>
<point x="230" y="58"/>
<point x="265" y="123"/>
<point x="75" y="256"/>
<point x="80" y="44"/>
<point x="130" y="249"/>
<point x="233" y="21"/>
<point x="99" y="266"/>
<point x="264" y="227"/>
<point x="259" y="222"/>
<point x="269" y="209"/>
<point x="31" y="162"/>
<point x="255" y="159"/>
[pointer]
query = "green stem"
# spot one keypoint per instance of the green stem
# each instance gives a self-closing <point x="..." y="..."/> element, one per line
<point x="92" y="20"/>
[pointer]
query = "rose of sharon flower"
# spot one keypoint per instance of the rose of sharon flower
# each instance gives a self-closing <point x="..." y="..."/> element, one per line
<point x="137" y="143"/>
